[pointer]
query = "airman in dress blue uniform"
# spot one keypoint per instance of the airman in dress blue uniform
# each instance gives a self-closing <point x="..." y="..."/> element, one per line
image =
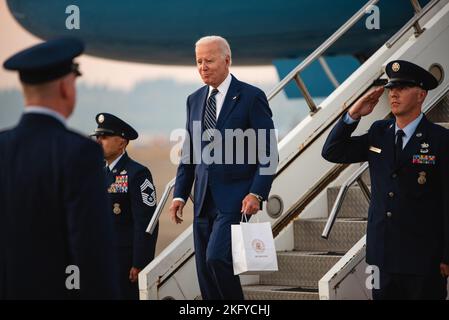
<point x="55" y="232"/>
<point x="408" y="218"/>
<point x="132" y="201"/>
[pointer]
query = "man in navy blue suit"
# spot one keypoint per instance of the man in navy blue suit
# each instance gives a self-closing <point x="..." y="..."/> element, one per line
<point x="133" y="200"/>
<point x="230" y="179"/>
<point x="55" y="230"/>
<point x="408" y="218"/>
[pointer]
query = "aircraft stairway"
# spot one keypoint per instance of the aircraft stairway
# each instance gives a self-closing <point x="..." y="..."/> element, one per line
<point x="301" y="205"/>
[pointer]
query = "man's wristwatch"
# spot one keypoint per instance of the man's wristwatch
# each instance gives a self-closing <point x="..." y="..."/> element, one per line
<point x="257" y="196"/>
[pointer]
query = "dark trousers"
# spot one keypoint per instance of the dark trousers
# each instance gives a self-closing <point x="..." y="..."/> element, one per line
<point x="128" y="290"/>
<point x="212" y="239"/>
<point x="411" y="287"/>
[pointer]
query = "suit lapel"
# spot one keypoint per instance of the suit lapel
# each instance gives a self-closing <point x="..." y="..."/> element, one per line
<point x="414" y="143"/>
<point x="120" y="164"/>
<point x="229" y="102"/>
<point x="110" y="177"/>
<point x="202" y="106"/>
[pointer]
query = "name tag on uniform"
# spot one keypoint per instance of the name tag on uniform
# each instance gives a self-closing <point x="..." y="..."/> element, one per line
<point x="374" y="149"/>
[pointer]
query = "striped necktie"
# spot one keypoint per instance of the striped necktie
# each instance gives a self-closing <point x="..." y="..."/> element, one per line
<point x="210" y="115"/>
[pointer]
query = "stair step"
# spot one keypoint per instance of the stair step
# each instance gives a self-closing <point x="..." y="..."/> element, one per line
<point x="444" y="124"/>
<point x="273" y="292"/>
<point x="300" y="269"/>
<point x="354" y="204"/>
<point x="344" y="234"/>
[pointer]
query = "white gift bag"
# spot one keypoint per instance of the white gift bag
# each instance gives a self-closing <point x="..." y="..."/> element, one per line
<point x="253" y="249"/>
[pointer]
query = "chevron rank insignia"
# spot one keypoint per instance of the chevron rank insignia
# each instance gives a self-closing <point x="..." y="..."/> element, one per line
<point x="148" y="193"/>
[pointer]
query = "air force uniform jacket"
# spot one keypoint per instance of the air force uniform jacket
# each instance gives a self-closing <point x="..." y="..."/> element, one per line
<point x="408" y="219"/>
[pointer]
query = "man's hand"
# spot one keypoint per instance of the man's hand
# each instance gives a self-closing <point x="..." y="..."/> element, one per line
<point x="133" y="274"/>
<point x="175" y="211"/>
<point x="365" y="104"/>
<point x="250" y="205"/>
<point x="444" y="269"/>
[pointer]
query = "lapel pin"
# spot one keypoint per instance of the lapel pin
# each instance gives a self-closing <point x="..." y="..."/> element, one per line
<point x="114" y="171"/>
<point x="419" y="135"/>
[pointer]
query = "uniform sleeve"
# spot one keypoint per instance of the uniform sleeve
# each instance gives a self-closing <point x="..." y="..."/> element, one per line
<point x="267" y="153"/>
<point x="143" y="205"/>
<point x="340" y="147"/>
<point x="186" y="169"/>
<point x="445" y="183"/>
<point x="89" y="226"/>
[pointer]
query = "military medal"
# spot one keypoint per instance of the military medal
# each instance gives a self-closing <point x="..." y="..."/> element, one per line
<point x="117" y="209"/>
<point x="422" y="178"/>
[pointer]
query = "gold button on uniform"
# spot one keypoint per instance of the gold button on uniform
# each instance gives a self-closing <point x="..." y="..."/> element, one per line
<point x="389" y="214"/>
<point x="391" y="194"/>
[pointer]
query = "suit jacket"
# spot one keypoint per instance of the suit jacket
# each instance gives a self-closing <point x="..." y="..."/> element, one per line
<point x="54" y="214"/>
<point x="408" y="218"/>
<point x="232" y="178"/>
<point x="132" y="203"/>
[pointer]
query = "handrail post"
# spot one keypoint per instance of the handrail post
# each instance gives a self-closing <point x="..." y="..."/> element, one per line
<point x="301" y="85"/>
<point x="341" y="196"/>
<point x="321" y="49"/>
<point x="417" y="7"/>
<point x="327" y="70"/>
<point x="157" y="213"/>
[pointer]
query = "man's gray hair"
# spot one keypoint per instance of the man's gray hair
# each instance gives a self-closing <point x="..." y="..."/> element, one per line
<point x="224" y="45"/>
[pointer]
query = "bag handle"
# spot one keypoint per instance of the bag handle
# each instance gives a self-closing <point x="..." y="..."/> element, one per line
<point x="246" y="219"/>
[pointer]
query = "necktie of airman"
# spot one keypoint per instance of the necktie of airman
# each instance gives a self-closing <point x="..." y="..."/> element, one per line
<point x="398" y="149"/>
<point x="210" y="115"/>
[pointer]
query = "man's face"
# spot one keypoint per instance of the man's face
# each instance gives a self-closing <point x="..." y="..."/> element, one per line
<point x="405" y="100"/>
<point x="113" y="146"/>
<point x="212" y="65"/>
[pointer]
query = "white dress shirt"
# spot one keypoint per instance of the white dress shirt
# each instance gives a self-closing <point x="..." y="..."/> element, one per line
<point x="221" y="95"/>
<point x="219" y="100"/>
<point x="113" y="163"/>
